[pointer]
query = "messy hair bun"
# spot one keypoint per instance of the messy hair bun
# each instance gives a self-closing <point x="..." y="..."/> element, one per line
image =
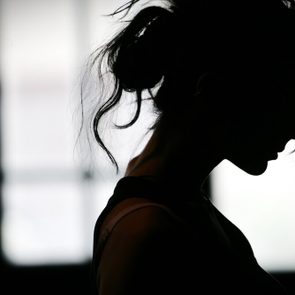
<point x="137" y="55"/>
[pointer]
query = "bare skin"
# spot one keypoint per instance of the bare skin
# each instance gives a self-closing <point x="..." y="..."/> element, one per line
<point x="167" y="158"/>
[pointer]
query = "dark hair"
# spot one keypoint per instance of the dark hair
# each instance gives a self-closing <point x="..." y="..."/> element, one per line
<point x="137" y="58"/>
<point x="148" y="52"/>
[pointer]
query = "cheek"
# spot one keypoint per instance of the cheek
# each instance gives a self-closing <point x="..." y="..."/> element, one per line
<point x="251" y="149"/>
<point x="262" y="131"/>
<point x="251" y="155"/>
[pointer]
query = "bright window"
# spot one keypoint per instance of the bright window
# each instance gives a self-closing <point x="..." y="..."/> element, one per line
<point x="50" y="205"/>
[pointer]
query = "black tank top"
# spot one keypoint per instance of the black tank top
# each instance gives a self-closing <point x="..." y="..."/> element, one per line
<point x="216" y="246"/>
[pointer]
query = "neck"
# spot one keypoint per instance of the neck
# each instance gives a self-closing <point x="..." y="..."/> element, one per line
<point x="175" y="159"/>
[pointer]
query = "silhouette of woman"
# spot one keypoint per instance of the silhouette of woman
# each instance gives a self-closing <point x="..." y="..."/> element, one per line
<point x="221" y="78"/>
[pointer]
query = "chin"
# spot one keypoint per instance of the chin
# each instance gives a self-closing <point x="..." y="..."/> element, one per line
<point x="254" y="168"/>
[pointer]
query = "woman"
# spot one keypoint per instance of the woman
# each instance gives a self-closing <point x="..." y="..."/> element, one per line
<point x="221" y="77"/>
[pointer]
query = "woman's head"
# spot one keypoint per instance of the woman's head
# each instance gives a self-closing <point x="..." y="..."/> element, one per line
<point x="184" y="44"/>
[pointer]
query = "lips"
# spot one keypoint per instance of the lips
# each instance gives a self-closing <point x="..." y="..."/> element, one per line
<point x="281" y="147"/>
<point x="272" y="154"/>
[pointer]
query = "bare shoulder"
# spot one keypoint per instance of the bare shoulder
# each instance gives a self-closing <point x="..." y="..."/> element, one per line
<point x="139" y="216"/>
<point x="142" y="239"/>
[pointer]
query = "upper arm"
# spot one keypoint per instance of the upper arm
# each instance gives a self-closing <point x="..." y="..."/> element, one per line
<point x="143" y="255"/>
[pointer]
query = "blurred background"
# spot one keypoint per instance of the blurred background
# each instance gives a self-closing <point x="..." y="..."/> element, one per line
<point x="50" y="193"/>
